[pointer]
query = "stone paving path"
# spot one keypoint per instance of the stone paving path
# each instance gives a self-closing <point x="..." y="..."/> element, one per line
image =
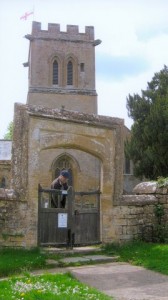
<point x="124" y="281"/>
<point x="120" y="280"/>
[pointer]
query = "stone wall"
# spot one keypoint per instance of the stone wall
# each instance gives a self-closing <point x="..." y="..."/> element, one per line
<point x="12" y="219"/>
<point x="132" y="218"/>
<point x="135" y="218"/>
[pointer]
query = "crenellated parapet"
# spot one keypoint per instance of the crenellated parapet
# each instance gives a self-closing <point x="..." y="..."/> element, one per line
<point x="54" y="32"/>
<point x="62" y="67"/>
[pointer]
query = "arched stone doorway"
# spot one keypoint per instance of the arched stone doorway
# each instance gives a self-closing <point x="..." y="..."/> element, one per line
<point x="84" y="169"/>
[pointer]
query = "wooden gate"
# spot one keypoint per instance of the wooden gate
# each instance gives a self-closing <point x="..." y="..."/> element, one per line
<point x="76" y="224"/>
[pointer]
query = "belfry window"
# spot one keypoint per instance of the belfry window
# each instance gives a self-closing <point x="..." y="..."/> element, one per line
<point x="69" y="73"/>
<point x="55" y="72"/>
<point x="82" y="67"/>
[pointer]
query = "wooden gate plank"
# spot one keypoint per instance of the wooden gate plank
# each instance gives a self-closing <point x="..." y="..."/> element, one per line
<point x="83" y="222"/>
<point x="86" y="228"/>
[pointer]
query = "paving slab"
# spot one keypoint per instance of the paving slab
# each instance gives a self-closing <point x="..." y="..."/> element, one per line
<point x="89" y="258"/>
<point x="66" y="251"/>
<point x="74" y="259"/>
<point x="102" y="258"/>
<point x="124" y="281"/>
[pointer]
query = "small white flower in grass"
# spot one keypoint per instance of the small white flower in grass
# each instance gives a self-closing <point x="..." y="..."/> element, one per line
<point x="75" y="290"/>
<point x="24" y="287"/>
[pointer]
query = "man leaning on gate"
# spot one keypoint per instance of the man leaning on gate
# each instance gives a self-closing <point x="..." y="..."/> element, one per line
<point x="60" y="183"/>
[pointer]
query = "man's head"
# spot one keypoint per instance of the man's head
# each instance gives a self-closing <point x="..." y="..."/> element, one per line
<point x="64" y="176"/>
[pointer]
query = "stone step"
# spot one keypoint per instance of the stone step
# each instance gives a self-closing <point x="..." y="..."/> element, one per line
<point x="82" y="259"/>
<point x="78" y="250"/>
<point x="89" y="259"/>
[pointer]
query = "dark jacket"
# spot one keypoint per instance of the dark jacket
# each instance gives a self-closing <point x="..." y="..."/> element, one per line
<point x="57" y="185"/>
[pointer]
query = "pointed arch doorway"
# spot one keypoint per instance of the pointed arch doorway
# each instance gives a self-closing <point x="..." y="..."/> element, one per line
<point x="85" y="214"/>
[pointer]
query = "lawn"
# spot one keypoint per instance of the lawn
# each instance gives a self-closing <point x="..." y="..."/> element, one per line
<point x="149" y="255"/>
<point x="64" y="286"/>
<point x="47" y="287"/>
<point x="15" y="261"/>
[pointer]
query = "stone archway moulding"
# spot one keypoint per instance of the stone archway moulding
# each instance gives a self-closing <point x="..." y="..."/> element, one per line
<point x="38" y="128"/>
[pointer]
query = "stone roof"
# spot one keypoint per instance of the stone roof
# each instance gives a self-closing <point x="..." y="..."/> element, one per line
<point x="72" y="116"/>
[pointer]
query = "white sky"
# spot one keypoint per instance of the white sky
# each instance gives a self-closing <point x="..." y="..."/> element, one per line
<point x="134" y="46"/>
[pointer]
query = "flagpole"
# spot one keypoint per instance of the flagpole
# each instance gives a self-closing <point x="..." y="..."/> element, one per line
<point x="33" y="12"/>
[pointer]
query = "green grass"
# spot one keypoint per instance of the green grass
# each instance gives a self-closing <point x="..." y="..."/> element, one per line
<point x="148" y="255"/>
<point x="151" y="256"/>
<point x="64" y="286"/>
<point x="47" y="287"/>
<point x="15" y="261"/>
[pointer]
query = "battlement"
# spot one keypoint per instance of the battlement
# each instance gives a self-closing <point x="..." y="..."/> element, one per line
<point x="54" y="32"/>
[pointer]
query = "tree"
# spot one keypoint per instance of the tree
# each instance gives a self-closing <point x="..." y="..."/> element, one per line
<point x="9" y="134"/>
<point x="148" y="145"/>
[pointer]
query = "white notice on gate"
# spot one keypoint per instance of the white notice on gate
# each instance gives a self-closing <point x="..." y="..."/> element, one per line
<point x="62" y="220"/>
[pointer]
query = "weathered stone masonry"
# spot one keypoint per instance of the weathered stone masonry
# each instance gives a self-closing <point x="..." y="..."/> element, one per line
<point x="135" y="213"/>
<point x="129" y="219"/>
<point x="13" y="214"/>
<point x="38" y="130"/>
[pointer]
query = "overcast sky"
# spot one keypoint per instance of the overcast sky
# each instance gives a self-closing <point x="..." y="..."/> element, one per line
<point x="134" y="46"/>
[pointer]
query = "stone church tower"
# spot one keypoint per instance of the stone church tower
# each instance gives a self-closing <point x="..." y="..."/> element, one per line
<point x="62" y="76"/>
<point x="59" y="128"/>
<point x="62" y="68"/>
